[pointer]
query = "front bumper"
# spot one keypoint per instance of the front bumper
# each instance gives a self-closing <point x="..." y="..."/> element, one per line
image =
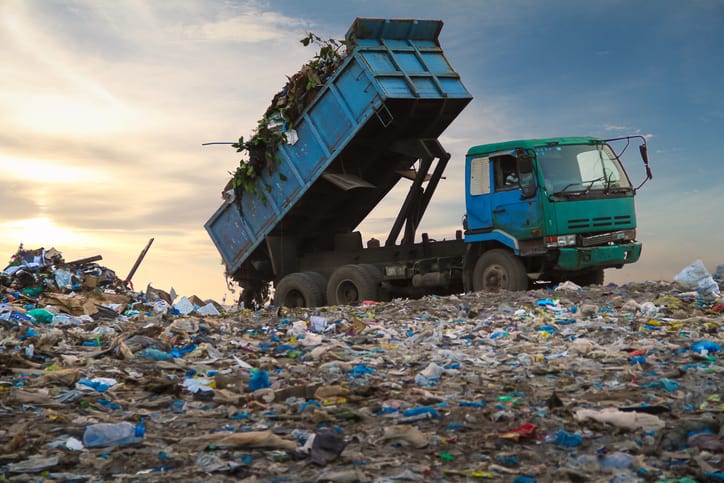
<point x="579" y="258"/>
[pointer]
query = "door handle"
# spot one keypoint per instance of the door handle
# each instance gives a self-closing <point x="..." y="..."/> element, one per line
<point x="499" y="210"/>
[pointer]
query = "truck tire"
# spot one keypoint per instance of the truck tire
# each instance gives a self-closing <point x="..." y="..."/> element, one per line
<point x="351" y="284"/>
<point x="378" y="276"/>
<point x="321" y="282"/>
<point x="499" y="270"/>
<point x="299" y="290"/>
<point x="374" y="272"/>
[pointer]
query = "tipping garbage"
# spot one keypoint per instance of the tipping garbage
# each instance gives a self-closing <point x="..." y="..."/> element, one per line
<point x="556" y="210"/>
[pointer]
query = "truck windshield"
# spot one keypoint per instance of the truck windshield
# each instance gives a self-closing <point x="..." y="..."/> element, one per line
<point x="581" y="168"/>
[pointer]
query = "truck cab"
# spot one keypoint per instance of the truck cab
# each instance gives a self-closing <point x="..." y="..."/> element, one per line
<point x="551" y="209"/>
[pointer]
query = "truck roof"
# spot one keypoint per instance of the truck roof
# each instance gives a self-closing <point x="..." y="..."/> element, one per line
<point x="485" y="149"/>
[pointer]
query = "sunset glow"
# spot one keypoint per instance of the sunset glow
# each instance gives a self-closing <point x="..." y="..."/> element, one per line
<point x="105" y="107"/>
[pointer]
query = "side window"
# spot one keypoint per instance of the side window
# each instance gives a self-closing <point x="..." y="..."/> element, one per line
<point x="479" y="176"/>
<point x="505" y="172"/>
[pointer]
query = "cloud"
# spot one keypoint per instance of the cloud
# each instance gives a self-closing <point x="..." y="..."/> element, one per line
<point x="141" y="71"/>
<point x="16" y="198"/>
<point x="112" y="101"/>
<point x="249" y="27"/>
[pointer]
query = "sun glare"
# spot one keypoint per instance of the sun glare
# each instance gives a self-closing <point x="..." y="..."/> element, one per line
<point x="39" y="171"/>
<point x="37" y="232"/>
<point x="71" y="115"/>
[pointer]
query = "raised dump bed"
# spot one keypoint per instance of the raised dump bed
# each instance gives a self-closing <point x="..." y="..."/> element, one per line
<point x="395" y="85"/>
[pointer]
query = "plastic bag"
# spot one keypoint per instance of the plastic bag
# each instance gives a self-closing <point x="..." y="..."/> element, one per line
<point x="697" y="277"/>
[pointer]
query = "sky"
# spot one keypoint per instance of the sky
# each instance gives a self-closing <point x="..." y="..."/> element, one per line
<point x="106" y="104"/>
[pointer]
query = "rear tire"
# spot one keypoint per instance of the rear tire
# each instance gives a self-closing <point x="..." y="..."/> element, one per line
<point x="499" y="270"/>
<point x="351" y="284"/>
<point x="300" y="290"/>
<point x="321" y="282"/>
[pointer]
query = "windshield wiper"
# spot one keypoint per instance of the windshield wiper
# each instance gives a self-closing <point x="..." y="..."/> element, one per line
<point x="609" y="180"/>
<point x="616" y="189"/>
<point x="563" y="191"/>
<point x="620" y="189"/>
<point x="590" y="184"/>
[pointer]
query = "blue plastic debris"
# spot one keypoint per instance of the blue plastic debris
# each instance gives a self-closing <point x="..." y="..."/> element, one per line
<point x="259" y="380"/>
<point x="506" y="460"/>
<point x="706" y="347"/>
<point x="155" y="354"/>
<point x="617" y="460"/>
<point x="178" y="352"/>
<point x="97" y="385"/>
<point x="416" y="411"/>
<point x="564" y="438"/>
<point x="473" y="404"/>
<point x="362" y="370"/>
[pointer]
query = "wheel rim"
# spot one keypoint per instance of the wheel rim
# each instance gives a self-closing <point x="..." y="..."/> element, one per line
<point x="347" y="292"/>
<point x="495" y="277"/>
<point x="294" y="298"/>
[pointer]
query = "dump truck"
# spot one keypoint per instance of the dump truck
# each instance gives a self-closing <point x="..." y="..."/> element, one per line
<point x="549" y="209"/>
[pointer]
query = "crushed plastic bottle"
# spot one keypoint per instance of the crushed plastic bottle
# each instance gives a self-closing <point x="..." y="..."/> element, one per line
<point x="101" y="435"/>
<point x="422" y="410"/>
<point x="155" y="354"/>
<point x="616" y="460"/>
<point x="564" y="438"/>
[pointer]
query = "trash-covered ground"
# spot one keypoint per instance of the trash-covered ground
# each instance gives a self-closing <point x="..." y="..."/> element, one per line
<point x="102" y="383"/>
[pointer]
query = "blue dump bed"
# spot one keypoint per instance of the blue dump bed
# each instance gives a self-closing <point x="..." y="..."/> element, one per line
<point x="395" y="85"/>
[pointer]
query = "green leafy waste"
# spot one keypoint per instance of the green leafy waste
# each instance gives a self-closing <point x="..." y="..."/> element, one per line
<point x="260" y="152"/>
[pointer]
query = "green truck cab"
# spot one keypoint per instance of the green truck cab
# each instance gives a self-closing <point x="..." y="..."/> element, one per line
<point x="549" y="209"/>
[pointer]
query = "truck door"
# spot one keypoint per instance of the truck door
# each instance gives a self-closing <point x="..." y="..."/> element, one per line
<point x="478" y="215"/>
<point x="511" y="212"/>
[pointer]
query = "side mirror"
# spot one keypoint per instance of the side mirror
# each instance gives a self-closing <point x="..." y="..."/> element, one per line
<point x="526" y="173"/>
<point x="525" y="163"/>
<point x="644" y="150"/>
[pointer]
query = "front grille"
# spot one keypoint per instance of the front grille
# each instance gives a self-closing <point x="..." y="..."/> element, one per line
<point x="599" y="223"/>
<point x="603" y="238"/>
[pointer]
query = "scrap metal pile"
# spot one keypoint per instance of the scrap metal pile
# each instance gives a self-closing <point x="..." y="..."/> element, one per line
<point x="604" y="383"/>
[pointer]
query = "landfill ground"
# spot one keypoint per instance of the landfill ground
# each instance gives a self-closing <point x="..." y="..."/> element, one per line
<point x="614" y="383"/>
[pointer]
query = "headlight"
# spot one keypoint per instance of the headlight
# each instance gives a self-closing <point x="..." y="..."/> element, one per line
<point x="629" y="234"/>
<point x="560" y="241"/>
